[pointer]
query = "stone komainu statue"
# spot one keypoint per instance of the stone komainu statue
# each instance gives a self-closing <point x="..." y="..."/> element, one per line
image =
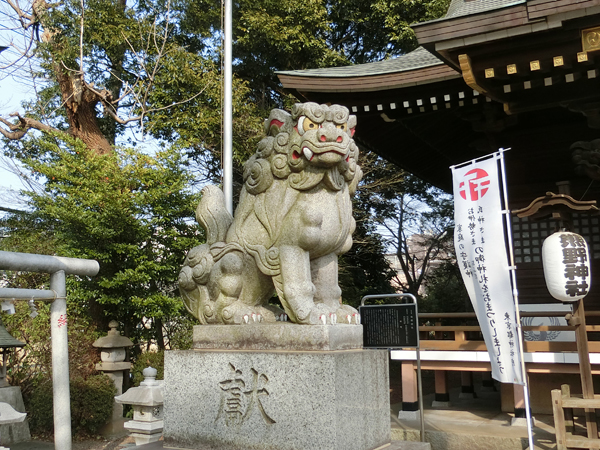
<point x="293" y="221"/>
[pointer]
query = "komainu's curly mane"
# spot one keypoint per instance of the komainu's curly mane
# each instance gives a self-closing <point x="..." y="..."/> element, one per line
<point x="281" y="156"/>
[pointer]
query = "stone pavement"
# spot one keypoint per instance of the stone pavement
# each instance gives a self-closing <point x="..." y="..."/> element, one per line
<point x="473" y="424"/>
<point x="478" y="429"/>
<point x="475" y="430"/>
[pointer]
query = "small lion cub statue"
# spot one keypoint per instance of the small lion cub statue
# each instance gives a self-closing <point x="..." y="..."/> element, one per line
<point x="293" y="220"/>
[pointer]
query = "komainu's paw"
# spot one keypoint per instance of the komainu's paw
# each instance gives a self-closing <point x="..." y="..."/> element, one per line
<point x="348" y="315"/>
<point x="241" y="314"/>
<point x="272" y="313"/>
<point x="321" y="314"/>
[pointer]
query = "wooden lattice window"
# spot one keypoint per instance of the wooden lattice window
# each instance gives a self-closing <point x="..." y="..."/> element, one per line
<point x="529" y="235"/>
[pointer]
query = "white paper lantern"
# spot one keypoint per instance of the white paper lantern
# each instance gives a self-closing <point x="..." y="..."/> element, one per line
<point x="566" y="262"/>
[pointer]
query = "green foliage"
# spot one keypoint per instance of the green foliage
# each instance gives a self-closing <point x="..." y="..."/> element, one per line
<point x="288" y="35"/>
<point x="282" y="35"/>
<point x="91" y="405"/>
<point x="30" y="368"/>
<point x="394" y="19"/>
<point x="415" y="221"/>
<point x="148" y="359"/>
<point x="27" y="366"/>
<point x="92" y="402"/>
<point x="32" y="363"/>
<point x="129" y="211"/>
<point x="40" y="409"/>
<point x="364" y="270"/>
<point x="445" y="290"/>
<point x="194" y="124"/>
<point x="178" y="332"/>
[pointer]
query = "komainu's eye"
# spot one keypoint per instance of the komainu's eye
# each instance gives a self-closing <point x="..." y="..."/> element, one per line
<point x="343" y="127"/>
<point x="308" y="124"/>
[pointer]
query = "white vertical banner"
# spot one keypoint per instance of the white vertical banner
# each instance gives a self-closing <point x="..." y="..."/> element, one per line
<point x="480" y="242"/>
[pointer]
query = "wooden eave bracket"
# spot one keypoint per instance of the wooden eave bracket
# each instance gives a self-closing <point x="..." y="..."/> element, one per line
<point x="556" y="205"/>
<point x="471" y="80"/>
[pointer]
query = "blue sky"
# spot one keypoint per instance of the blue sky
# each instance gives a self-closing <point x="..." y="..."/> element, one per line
<point x="13" y="94"/>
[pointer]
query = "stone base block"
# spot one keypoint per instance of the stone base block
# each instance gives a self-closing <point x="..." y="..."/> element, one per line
<point x="521" y="421"/>
<point x="136" y="426"/>
<point x="144" y="439"/>
<point x="408" y="445"/>
<point x="436" y="404"/>
<point x="278" y="336"/>
<point x="14" y="433"/>
<point x="276" y="400"/>
<point x="467" y="396"/>
<point x="409" y="415"/>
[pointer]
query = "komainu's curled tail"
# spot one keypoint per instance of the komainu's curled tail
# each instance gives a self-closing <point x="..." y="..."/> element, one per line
<point x="212" y="214"/>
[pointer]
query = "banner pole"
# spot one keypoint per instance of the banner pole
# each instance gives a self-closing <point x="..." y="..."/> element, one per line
<point x="513" y="275"/>
<point x="474" y="161"/>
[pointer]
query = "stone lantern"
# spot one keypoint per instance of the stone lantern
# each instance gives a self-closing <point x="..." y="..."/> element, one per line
<point x="147" y="402"/>
<point x="13" y="428"/>
<point x="113" y="363"/>
<point x="7" y="342"/>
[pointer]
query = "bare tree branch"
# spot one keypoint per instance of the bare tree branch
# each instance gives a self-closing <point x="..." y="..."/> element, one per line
<point x="80" y="96"/>
<point x="24" y="124"/>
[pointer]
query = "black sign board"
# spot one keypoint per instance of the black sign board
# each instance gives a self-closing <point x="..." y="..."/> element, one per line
<point x="389" y="326"/>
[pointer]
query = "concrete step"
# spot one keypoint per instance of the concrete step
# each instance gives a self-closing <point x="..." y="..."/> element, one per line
<point x="407" y="445"/>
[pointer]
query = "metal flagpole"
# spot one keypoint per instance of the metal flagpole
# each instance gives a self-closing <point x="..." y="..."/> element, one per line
<point x="516" y="298"/>
<point x="227" y="108"/>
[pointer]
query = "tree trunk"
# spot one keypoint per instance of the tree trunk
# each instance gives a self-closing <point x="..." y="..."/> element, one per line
<point x="160" y="338"/>
<point x="80" y="104"/>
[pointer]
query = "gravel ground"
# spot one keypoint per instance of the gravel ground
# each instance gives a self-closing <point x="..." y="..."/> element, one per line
<point x="103" y="444"/>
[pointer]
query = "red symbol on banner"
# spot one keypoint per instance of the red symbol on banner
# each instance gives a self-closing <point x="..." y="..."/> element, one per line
<point x="478" y="185"/>
<point x="62" y="320"/>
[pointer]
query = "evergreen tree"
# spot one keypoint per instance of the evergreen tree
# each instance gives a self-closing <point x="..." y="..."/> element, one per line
<point x="130" y="211"/>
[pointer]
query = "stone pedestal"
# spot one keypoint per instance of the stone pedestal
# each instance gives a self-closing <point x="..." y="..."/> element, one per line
<point x="278" y="399"/>
<point x="13" y="433"/>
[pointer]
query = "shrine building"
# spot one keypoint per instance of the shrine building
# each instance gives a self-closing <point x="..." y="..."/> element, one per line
<point x="512" y="74"/>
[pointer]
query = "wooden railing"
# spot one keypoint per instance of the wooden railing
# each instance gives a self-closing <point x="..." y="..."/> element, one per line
<point x="563" y="405"/>
<point x="454" y="337"/>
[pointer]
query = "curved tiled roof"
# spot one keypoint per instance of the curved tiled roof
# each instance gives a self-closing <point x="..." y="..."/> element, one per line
<point x="463" y="8"/>
<point x="417" y="59"/>
<point x="459" y="8"/>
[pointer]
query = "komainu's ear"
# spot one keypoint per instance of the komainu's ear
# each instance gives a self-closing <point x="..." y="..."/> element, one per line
<point x="352" y="125"/>
<point x="278" y="121"/>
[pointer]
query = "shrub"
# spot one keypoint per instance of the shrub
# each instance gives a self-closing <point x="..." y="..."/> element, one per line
<point x="179" y="331"/>
<point x="143" y="360"/>
<point x="91" y="405"/>
<point x="34" y="361"/>
<point x="92" y="402"/>
<point x="40" y="408"/>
